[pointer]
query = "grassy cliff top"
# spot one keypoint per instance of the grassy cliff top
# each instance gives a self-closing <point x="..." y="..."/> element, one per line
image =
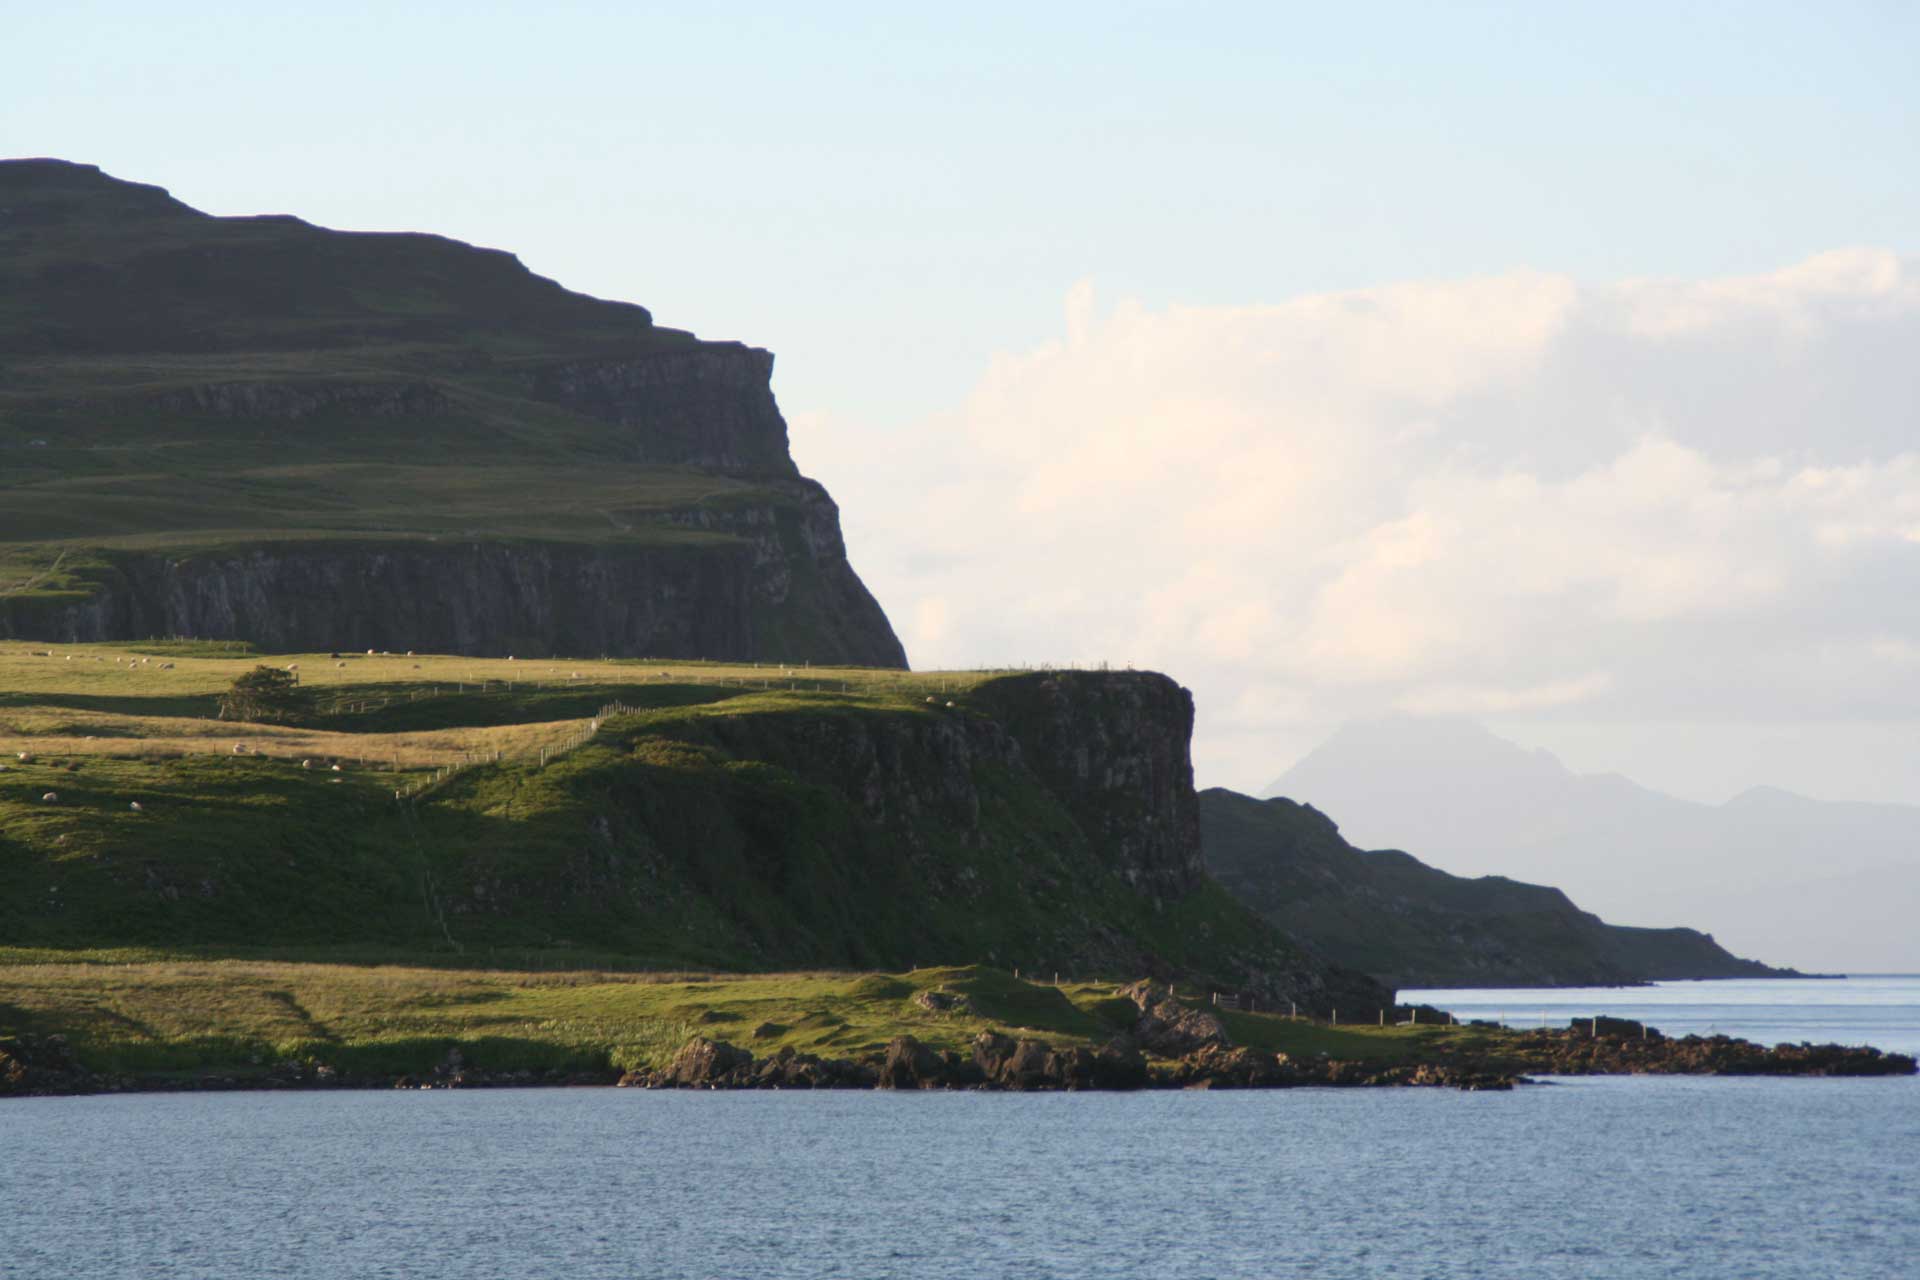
<point x="91" y="265"/>
<point x="171" y="380"/>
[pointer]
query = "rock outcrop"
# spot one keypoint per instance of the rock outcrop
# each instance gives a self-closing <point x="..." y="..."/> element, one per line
<point x="739" y="596"/>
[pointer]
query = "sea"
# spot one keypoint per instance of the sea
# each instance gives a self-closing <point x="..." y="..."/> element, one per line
<point x="1577" y="1177"/>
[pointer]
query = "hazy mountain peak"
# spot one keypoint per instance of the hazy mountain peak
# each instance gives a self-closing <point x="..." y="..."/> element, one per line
<point x="1439" y="746"/>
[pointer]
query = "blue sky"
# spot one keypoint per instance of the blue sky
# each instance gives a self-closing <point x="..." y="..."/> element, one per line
<point x="1580" y="232"/>
<point x="885" y="194"/>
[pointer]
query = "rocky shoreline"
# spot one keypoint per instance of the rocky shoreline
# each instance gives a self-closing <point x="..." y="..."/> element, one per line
<point x="1172" y="1045"/>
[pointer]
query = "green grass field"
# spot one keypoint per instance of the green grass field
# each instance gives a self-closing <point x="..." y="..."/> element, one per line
<point x="199" y="893"/>
<point x="157" y="1016"/>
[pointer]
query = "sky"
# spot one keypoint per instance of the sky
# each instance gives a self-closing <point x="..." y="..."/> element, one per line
<point x="1547" y="365"/>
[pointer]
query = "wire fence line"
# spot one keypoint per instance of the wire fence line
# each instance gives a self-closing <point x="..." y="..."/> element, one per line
<point x="541" y="755"/>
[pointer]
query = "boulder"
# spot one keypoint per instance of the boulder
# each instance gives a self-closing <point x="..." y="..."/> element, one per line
<point x="704" y="1063"/>
<point x="911" y="1065"/>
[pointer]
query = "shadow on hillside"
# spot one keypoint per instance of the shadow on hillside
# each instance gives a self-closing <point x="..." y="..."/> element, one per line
<point x="199" y="705"/>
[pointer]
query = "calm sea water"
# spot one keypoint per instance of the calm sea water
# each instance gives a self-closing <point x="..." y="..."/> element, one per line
<point x="1882" y="1010"/>
<point x="1626" y="1177"/>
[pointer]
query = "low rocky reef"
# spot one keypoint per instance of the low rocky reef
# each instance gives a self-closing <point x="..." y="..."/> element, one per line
<point x="1171" y="1045"/>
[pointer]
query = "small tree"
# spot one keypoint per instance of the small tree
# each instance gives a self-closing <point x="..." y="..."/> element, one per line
<point x="264" y="693"/>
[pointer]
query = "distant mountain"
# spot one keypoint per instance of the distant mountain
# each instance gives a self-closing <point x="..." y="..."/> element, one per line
<point x="1405" y="924"/>
<point x="258" y="429"/>
<point x="1820" y="886"/>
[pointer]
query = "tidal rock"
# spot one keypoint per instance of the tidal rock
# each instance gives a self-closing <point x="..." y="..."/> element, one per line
<point x="702" y="1063"/>
<point x="911" y="1065"/>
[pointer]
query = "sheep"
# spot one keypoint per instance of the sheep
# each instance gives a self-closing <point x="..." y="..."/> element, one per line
<point x="26" y="757"/>
<point x="306" y="764"/>
<point x="336" y="768"/>
<point x="52" y="797"/>
<point x="135" y="806"/>
<point x="239" y="749"/>
<point x="166" y="666"/>
<point x="293" y="666"/>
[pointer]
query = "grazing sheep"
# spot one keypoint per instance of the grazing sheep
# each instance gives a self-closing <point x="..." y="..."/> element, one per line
<point x="306" y="764"/>
<point x="52" y="797"/>
<point x="239" y="749"/>
<point x="369" y="653"/>
<point x="166" y="666"/>
<point x="26" y="757"/>
<point x="135" y="806"/>
<point x="293" y="666"/>
<point x="336" y="768"/>
<point x="339" y="664"/>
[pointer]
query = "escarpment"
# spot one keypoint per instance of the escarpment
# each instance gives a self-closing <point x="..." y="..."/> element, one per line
<point x="744" y="824"/>
<point x="258" y="429"/>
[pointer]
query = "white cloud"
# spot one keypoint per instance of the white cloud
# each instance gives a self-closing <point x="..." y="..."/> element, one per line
<point x="1488" y="496"/>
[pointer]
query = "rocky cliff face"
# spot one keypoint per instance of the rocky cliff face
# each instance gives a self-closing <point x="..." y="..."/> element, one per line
<point x="772" y="583"/>
<point x="1117" y="745"/>
<point x="711" y="407"/>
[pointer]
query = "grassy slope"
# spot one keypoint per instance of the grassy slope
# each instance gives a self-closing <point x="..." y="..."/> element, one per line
<point x="248" y="889"/>
<point x="158" y="1016"/>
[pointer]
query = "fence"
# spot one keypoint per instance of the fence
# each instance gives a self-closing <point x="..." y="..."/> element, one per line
<point x="543" y="754"/>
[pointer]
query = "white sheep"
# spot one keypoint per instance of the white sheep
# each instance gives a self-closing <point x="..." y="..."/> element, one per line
<point x="336" y="768"/>
<point x="293" y="666"/>
<point x="135" y="806"/>
<point x="306" y="764"/>
<point x="239" y="749"/>
<point x="52" y="797"/>
<point x="26" y="757"/>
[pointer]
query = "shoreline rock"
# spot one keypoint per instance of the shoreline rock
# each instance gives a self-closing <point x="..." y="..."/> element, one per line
<point x="1191" y="1048"/>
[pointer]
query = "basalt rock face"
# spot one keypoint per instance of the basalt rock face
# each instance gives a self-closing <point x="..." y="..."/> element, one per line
<point x="1117" y="744"/>
<point x="956" y="834"/>
<point x="711" y="407"/>
<point x="775" y="586"/>
<point x="259" y="429"/>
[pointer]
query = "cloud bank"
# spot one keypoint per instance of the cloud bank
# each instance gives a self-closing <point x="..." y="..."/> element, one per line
<point x="1509" y="496"/>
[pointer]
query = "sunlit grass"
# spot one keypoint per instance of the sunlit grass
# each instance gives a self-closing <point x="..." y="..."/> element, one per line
<point x="181" y="1015"/>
